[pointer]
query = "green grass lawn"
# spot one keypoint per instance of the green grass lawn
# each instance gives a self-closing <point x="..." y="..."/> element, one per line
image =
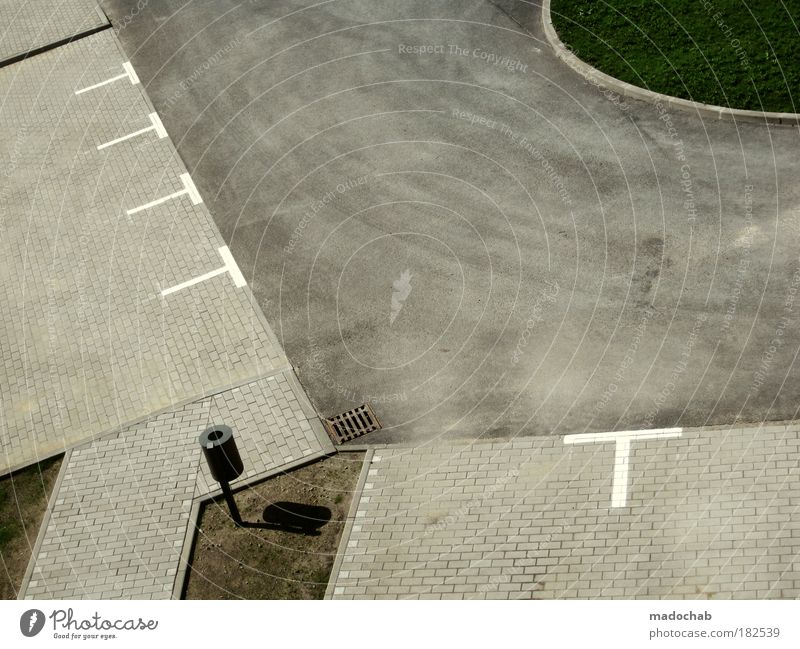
<point x="723" y="52"/>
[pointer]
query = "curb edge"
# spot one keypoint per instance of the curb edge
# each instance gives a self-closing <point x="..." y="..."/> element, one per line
<point x="594" y="76"/>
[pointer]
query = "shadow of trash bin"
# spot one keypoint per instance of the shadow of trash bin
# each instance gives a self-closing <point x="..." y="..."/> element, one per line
<point x="297" y="517"/>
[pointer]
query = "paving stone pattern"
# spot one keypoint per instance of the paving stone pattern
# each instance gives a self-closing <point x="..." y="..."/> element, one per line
<point x="90" y="346"/>
<point x="285" y="435"/>
<point x="712" y="514"/>
<point x="31" y="24"/>
<point x="120" y="516"/>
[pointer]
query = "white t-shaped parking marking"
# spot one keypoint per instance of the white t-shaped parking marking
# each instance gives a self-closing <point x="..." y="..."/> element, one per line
<point x="229" y="267"/>
<point x="156" y="126"/>
<point x="189" y="189"/>
<point x="623" y="439"/>
<point x="129" y="72"/>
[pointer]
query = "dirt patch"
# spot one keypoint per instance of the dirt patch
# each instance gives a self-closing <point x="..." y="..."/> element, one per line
<point x="23" y="500"/>
<point x="256" y="563"/>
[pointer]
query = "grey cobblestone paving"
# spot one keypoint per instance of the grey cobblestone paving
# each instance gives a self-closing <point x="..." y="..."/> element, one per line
<point x="120" y="516"/>
<point x="89" y="343"/>
<point x="92" y="344"/>
<point x="709" y="515"/>
<point x="30" y="24"/>
<point x="272" y="428"/>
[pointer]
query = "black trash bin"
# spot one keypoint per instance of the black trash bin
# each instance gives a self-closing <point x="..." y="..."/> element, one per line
<point x="221" y="453"/>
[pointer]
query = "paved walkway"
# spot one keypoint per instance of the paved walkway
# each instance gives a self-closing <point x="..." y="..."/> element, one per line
<point x="707" y="514"/>
<point x="446" y="220"/>
<point x="119" y="521"/>
<point x="30" y="24"/>
<point x="90" y="343"/>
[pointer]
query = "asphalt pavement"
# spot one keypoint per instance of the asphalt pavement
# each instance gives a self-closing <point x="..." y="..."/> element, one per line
<point x="440" y="218"/>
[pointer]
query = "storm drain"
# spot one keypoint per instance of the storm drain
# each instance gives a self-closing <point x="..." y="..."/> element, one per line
<point x="351" y="424"/>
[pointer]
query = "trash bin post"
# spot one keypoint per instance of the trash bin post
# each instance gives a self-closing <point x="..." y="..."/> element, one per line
<point x="235" y="515"/>
<point x="224" y="462"/>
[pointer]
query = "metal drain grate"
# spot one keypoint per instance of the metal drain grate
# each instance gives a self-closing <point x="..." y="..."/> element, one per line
<point x="351" y="424"/>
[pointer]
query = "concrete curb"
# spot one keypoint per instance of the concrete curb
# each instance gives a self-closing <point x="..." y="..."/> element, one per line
<point x="37" y="546"/>
<point x="597" y="78"/>
<point x="311" y="414"/>
<point x="251" y="480"/>
<point x="348" y="528"/>
<point x="736" y="427"/>
<point x="189" y="538"/>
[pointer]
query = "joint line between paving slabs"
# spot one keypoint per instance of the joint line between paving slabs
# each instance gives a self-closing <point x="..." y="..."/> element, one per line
<point x="22" y="56"/>
<point x="118" y="429"/>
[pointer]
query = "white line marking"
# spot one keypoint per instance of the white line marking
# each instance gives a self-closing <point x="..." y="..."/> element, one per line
<point x="192" y="282"/>
<point x="622" y="454"/>
<point x="159" y="127"/>
<point x="102" y="83"/>
<point x="155" y="125"/>
<point x="229" y="267"/>
<point x="129" y="72"/>
<point x="191" y="189"/>
<point x="188" y="189"/>
<point x="656" y="433"/>
<point x="158" y="201"/>
<point x="105" y="145"/>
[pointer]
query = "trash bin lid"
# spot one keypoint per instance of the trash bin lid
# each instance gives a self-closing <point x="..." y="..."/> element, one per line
<point x="215" y="436"/>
